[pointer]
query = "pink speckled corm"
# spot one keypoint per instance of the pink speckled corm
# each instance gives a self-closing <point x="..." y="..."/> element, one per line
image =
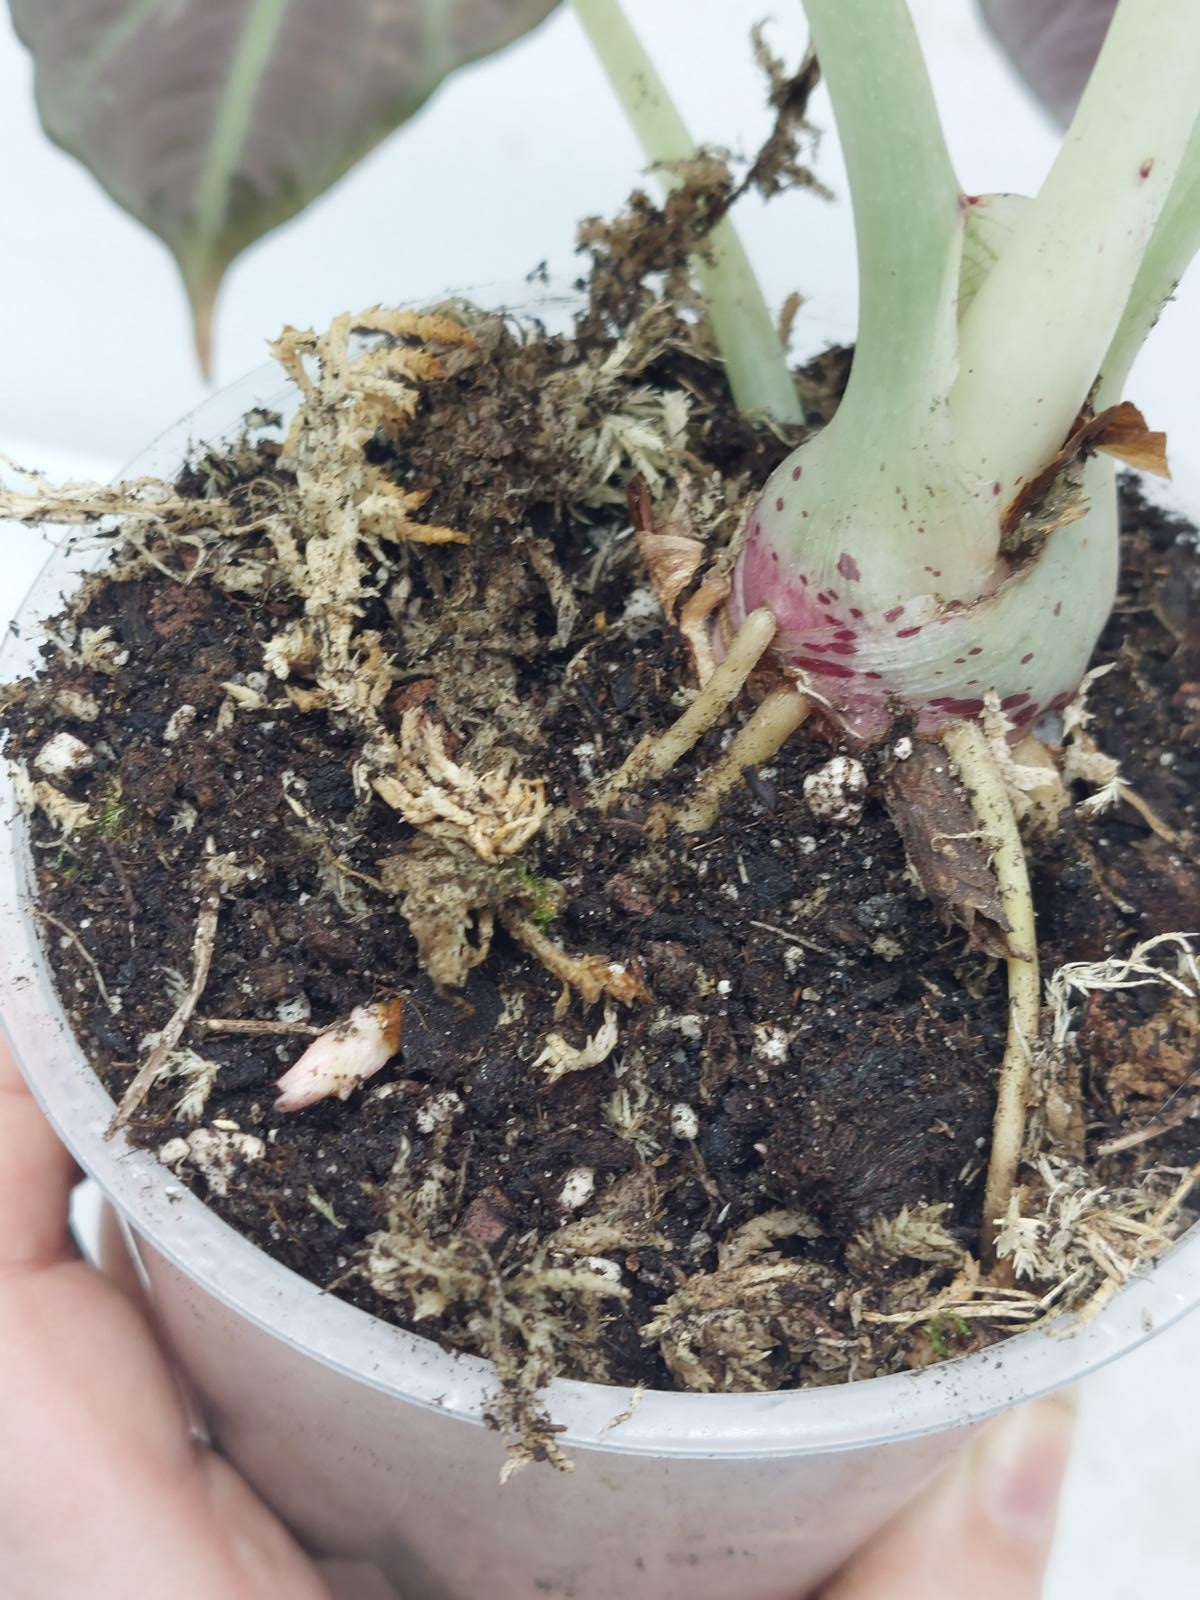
<point x="1024" y="634"/>
<point x="943" y="538"/>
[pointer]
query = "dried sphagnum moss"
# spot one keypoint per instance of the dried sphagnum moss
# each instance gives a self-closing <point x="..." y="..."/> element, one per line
<point x="529" y="1319"/>
<point x="334" y="530"/>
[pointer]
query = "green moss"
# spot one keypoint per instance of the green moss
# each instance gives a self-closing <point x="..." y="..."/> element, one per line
<point x="544" y="896"/>
<point x="115" y="811"/>
<point x="70" y="866"/>
<point x="946" y="1327"/>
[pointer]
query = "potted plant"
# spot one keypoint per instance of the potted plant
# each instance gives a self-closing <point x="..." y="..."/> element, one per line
<point x="538" y="935"/>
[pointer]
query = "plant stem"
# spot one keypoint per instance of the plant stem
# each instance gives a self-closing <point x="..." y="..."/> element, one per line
<point x="1175" y="241"/>
<point x="777" y="718"/>
<point x="654" y="756"/>
<point x="755" y="360"/>
<point x="882" y="491"/>
<point x="907" y="212"/>
<point x="967" y="746"/>
<point x="1036" y="333"/>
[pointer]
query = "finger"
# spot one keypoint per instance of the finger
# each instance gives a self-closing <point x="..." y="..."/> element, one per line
<point x="986" y="1530"/>
<point x="93" y="1430"/>
<point x="117" y="1260"/>
<point x="113" y="1257"/>
<point x="357" y="1580"/>
<point x="36" y="1178"/>
<point x="93" y="1426"/>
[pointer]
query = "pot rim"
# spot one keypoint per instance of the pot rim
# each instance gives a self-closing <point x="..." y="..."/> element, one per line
<point x="405" y="1366"/>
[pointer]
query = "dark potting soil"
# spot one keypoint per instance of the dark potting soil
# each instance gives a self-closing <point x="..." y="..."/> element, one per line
<point x="813" y="1046"/>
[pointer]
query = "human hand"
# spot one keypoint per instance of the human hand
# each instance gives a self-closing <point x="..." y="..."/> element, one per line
<point x="986" y="1527"/>
<point x="104" y="1492"/>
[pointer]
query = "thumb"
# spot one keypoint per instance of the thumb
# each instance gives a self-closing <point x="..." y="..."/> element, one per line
<point x="986" y="1530"/>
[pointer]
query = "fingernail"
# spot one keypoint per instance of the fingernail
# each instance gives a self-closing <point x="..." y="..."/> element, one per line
<point x="1021" y="1469"/>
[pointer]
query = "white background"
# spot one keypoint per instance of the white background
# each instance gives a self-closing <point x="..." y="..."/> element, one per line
<point x="95" y="359"/>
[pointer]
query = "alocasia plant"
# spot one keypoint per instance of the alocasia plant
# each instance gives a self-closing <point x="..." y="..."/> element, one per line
<point x="901" y="549"/>
<point x="948" y="542"/>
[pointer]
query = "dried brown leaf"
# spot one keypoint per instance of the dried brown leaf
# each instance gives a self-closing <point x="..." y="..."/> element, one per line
<point x="696" y="626"/>
<point x="948" y="855"/>
<point x="669" y="548"/>
<point x="1126" y="436"/>
<point x="1119" y="431"/>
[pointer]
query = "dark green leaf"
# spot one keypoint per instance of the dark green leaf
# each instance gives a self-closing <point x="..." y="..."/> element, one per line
<point x="214" y="120"/>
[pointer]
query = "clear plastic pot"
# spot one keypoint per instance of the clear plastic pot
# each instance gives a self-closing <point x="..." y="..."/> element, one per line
<point x="370" y="1442"/>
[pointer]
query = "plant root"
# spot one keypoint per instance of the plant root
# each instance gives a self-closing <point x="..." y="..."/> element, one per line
<point x="591" y="976"/>
<point x="970" y="1299"/>
<point x="777" y="718"/>
<point x="1132" y="971"/>
<point x="1151" y="817"/>
<point x="1085" y="762"/>
<point x="202" y="952"/>
<point x="967" y="745"/>
<point x="1154" y="1129"/>
<point x="252" y="1027"/>
<point x="655" y="755"/>
<point x="85" y="954"/>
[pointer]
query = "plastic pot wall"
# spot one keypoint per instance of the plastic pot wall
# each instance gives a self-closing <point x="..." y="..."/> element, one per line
<point x="371" y="1443"/>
